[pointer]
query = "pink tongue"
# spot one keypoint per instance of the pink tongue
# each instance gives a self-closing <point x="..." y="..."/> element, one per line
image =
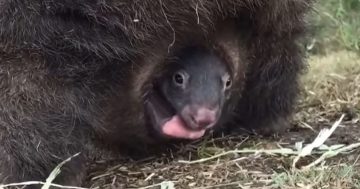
<point x="175" y="127"/>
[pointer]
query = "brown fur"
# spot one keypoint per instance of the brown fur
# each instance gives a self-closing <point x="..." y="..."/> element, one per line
<point x="73" y="73"/>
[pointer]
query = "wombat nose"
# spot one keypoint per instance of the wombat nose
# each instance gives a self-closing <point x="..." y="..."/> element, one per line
<point x="204" y="117"/>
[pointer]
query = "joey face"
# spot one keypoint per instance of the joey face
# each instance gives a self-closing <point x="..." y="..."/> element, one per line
<point x="189" y="99"/>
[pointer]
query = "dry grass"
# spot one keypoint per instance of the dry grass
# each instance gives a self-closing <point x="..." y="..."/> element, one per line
<point x="331" y="87"/>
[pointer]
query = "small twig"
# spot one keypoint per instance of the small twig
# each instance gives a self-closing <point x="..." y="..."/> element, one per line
<point x="49" y="180"/>
<point x="38" y="183"/>
<point x="330" y="154"/>
<point x="284" y="151"/>
<point x="149" y="177"/>
<point x="319" y="140"/>
<point x="238" y="183"/>
<point x="56" y="172"/>
<point x="158" y="184"/>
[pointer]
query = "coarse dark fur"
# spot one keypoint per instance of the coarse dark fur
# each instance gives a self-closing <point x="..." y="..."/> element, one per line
<point x="74" y="73"/>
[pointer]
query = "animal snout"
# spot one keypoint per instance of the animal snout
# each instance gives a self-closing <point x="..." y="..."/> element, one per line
<point x="201" y="117"/>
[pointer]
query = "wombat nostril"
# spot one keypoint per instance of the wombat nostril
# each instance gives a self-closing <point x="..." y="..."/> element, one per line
<point x="204" y="117"/>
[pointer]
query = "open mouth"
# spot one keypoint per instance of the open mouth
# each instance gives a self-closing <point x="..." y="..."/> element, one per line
<point x="165" y="120"/>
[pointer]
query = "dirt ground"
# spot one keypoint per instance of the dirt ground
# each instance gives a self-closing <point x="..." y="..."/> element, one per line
<point x="331" y="88"/>
<point x="233" y="171"/>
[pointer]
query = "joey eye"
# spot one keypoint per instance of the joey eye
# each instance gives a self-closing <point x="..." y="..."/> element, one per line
<point x="179" y="78"/>
<point x="228" y="83"/>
